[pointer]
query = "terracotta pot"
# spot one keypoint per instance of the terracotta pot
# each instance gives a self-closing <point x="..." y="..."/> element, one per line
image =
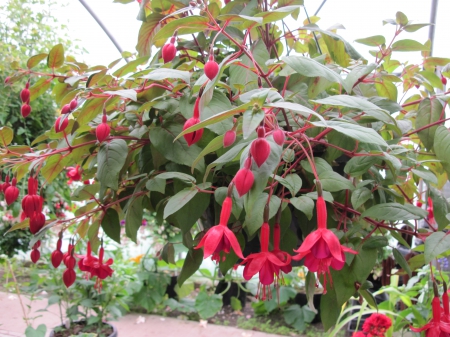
<point x="115" y="333"/>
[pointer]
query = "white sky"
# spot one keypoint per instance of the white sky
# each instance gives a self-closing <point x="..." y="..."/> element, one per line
<point x="361" y="18"/>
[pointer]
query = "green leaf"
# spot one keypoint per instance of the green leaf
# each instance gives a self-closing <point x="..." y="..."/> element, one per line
<point x="357" y="103"/>
<point x="399" y="258"/>
<point x="292" y="182"/>
<point x="38" y="88"/>
<point x="359" y="165"/>
<point x="251" y="120"/>
<point x="303" y="204"/>
<point x="147" y="32"/>
<point x="157" y="185"/>
<point x="360" y="196"/>
<point x="6" y="136"/>
<point x="441" y="208"/>
<point x="130" y="66"/>
<point x="368" y="297"/>
<point x="441" y="143"/>
<point x="179" y="200"/>
<point x="55" y="58"/>
<point x="133" y="218"/>
<point x="415" y="27"/>
<point x="387" y="89"/>
<point x="401" y="19"/>
<point x="408" y="45"/>
<point x="334" y="182"/>
<point x="393" y="212"/>
<point x="33" y="61"/>
<point x="293" y="315"/>
<point x="213" y="145"/>
<point x="321" y="165"/>
<point x="85" y="192"/>
<point x="377" y="241"/>
<point x="429" y="112"/>
<point x="188" y="25"/>
<point x="40" y="331"/>
<point x="208" y="305"/>
<point x="110" y="160"/>
<point x="111" y="224"/>
<point x="173" y="149"/>
<point x="436" y="244"/>
<point x="311" y="68"/>
<point x="54" y="166"/>
<point x="129" y="93"/>
<point x="165" y="73"/>
<point x="277" y="14"/>
<point x="235" y="304"/>
<point x="372" y="41"/>
<point x="191" y="264"/>
<point x="302" y="110"/>
<point x="186" y="178"/>
<point x="360" y="133"/>
<point x="425" y="175"/>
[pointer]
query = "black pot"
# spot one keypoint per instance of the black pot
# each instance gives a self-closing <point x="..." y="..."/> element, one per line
<point x="115" y="333"/>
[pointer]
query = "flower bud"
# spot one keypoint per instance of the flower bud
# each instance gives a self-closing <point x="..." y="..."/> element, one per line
<point x="11" y="194"/>
<point x="443" y="80"/>
<point x="65" y="109"/>
<point x="25" y="110"/>
<point x="278" y="136"/>
<point x="25" y="95"/>
<point x="60" y="126"/>
<point x="102" y="132"/>
<point x="37" y="221"/>
<point x="31" y="204"/>
<point x="195" y="136"/>
<point x="73" y="104"/>
<point x="7" y="79"/>
<point x="260" y="148"/>
<point x="243" y="180"/>
<point x="56" y="258"/>
<point x="69" y="277"/>
<point x="211" y="69"/>
<point x="229" y="138"/>
<point x="35" y="255"/>
<point x="168" y="52"/>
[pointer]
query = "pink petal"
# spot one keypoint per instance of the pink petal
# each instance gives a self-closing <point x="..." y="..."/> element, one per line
<point x="333" y="243"/>
<point x="253" y="266"/>
<point x="266" y="274"/>
<point x="214" y="237"/>
<point x="234" y="242"/>
<point x="320" y="250"/>
<point x="309" y="242"/>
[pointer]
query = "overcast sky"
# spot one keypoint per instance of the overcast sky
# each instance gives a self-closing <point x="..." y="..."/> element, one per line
<point x="361" y="18"/>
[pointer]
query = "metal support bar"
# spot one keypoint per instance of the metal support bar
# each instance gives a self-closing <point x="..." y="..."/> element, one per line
<point x="432" y="30"/>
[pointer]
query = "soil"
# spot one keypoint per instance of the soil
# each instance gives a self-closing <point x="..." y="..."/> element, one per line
<point x="80" y="327"/>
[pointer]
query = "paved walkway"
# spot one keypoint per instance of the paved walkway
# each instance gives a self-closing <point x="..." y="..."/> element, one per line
<point x="13" y="325"/>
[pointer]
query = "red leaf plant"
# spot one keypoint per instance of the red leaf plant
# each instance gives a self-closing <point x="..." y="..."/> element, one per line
<point x="322" y="249"/>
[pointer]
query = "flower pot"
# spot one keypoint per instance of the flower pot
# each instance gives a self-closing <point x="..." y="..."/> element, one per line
<point x="114" y="333"/>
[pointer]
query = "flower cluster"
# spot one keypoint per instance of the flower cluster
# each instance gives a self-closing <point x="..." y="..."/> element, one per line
<point x="376" y="325"/>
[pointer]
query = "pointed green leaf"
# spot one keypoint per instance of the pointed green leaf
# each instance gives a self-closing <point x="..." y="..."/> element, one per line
<point x="372" y="41"/>
<point x="393" y="212"/>
<point x="408" y="45"/>
<point x="436" y="244"/>
<point x="360" y="196"/>
<point x="429" y="112"/>
<point x="110" y="160"/>
<point x="400" y="259"/>
<point x="303" y="204"/>
<point x="111" y="224"/>
<point x="133" y="218"/>
<point x="187" y="25"/>
<point x="6" y="136"/>
<point x="311" y="68"/>
<point x="191" y="264"/>
<point x="334" y="182"/>
<point x="55" y="58"/>
<point x="179" y="200"/>
<point x="33" y="61"/>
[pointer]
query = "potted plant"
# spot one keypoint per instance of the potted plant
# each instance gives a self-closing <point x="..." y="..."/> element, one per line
<point x="235" y="117"/>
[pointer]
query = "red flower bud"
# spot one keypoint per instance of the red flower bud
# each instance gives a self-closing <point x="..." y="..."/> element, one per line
<point x="229" y="138"/>
<point x="70" y="262"/>
<point x="25" y="110"/>
<point x="31" y="204"/>
<point x="37" y="221"/>
<point x="260" y="148"/>
<point x="60" y="126"/>
<point x="192" y="137"/>
<point x="443" y="80"/>
<point x="25" y="95"/>
<point x="278" y="136"/>
<point x="73" y="104"/>
<point x="168" y="52"/>
<point x="69" y="277"/>
<point x="227" y="2"/>
<point x="57" y="257"/>
<point x="11" y="194"/>
<point x="74" y="173"/>
<point x="102" y="132"/>
<point x="243" y="181"/>
<point x="65" y="109"/>
<point x="37" y="244"/>
<point x="7" y="79"/>
<point x="211" y="69"/>
<point x="35" y="255"/>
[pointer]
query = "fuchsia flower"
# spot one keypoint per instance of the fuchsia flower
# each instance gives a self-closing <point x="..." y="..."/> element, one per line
<point x="266" y="263"/>
<point x="219" y="239"/>
<point x="74" y="173"/>
<point x="100" y="269"/>
<point x="282" y="255"/>
<point x="229" y="138"/>
<point x="211" y="68"/>
<point x="11" y="192"/>
<point x="435" y="327"/>
<point x="278" y="136"/>
<point x="103" y="130"/>
<point x="322" y="249"/>
<point x="376" y="325"/>
<point x="195" y="136"/>
<point x="430" y="210"/>
<point x="169" y="50"/>
<point x="260" y="148"/>
<point x="244" y="178"/>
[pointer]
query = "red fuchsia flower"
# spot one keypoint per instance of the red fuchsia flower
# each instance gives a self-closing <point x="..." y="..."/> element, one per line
<point x="278" y="136"/>
<point x="229" y="138"/>
<point x="25" y="95"/>
<point x="103" y="130"/>
<point x="445" y="302"/>
<point x="69" y="277"/>
<point x="281" y="255"/>
<point x="35" y="254"/>
<point x="57" y="254"/>
<point x="443" y="80"/>
<point x="430" y="210"/>
<point x="169" y="51"/>
<point x="322" y="249"/>
<point x="25" y="110"/>
<point x="73" y="104"/>
<point x="219" y="239"/>
<point x="60" y="126"/>
<point x="435" y="327"/>
<point x="73" y="173"/>
<point x="211" y="68"/>
<point x="100" y="269"/>
<point x="65" y="109"/>
<point x="37" y="221"/>
<point x="195" y="136"/>
<point x="5" y="185"/>
<point x="11" y="192"/>
<point x="85" y="262"/>
<point x="244" y="178"/>
<point x="32" y="202"/>
<point x="260" y="148"/>
<point x="266" y="263"/>
<point x="376" y="325"/>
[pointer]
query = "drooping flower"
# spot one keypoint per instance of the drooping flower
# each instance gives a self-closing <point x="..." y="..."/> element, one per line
<point x="435" y="327"/>
<point x="85" y="262"/>
<point x="37" y="221"/>
<point x="229" y="138"/>
<point x="69" y="277"/>
<point x="32" y="202"/>
<point x="194" y="136"/>
<point x="57" y="255"/>
<point x="11" y="192"/>
<point x="376" y="325"/>
<point x="282" y="255"/>
<point x="244" y="178"/>
<point x="211" y="68"/>
<point x="220" y="239"/>
<point x="100" y="269"/>
<point x="74" y="173"/>
<point x="278" y="136"/>
<point x="445" y="302"/>
<point x="266" y="263"/>
<point x="322" y="249"/>
<point x="35" y="254"/>
<point x="169" y="51"/>
<point x="60" y="126"/>
<point x="260" y="148"/>
<point x="25" y="110"/>
<point x="430" y="210"/>
<point x="65" y="109"/>
<point x="103" y="130"/>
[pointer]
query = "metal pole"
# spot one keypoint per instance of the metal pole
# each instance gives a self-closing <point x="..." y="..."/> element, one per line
<point x="100" y="23"/>
<point x="320" y="7"/>
<point x="434" y="5"/>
